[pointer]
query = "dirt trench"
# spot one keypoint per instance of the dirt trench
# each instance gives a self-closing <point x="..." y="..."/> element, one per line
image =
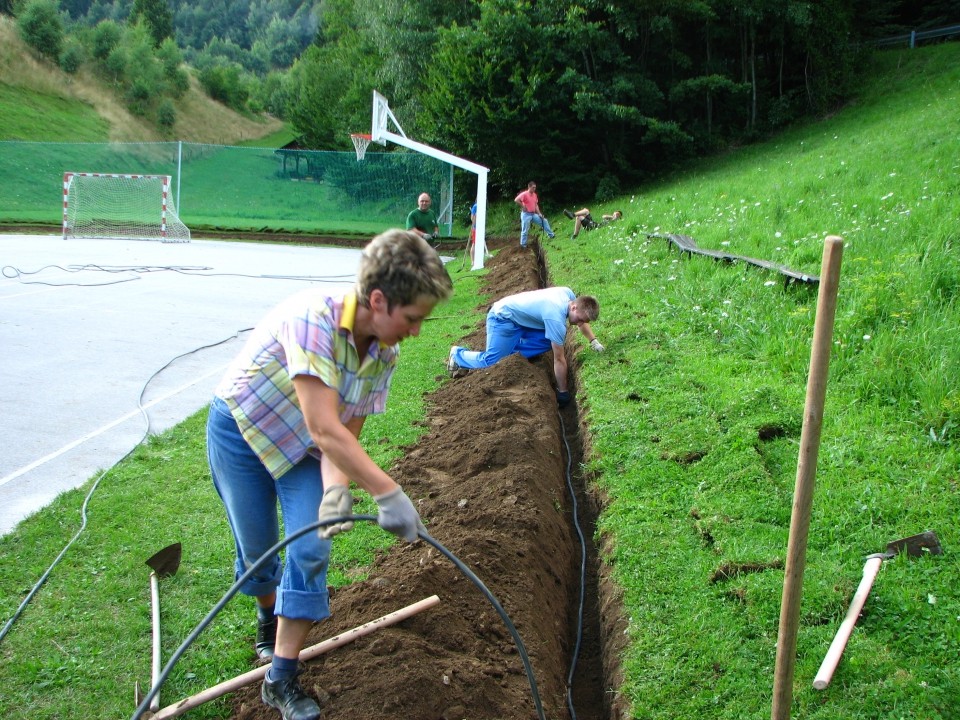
<point x="490" y="478"/>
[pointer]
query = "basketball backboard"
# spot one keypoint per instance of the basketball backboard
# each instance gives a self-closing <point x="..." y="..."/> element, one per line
<point x="378" y="125"/>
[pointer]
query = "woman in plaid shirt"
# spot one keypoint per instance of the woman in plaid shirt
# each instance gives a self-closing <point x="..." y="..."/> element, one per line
<point x="284" y="428"/>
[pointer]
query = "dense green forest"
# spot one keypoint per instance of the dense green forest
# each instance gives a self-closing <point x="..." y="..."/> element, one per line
<point x="586" y="96"/>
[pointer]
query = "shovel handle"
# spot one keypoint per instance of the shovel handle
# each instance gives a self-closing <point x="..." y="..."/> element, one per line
<point x="870" y="569"/>
<point x="211" y="693"/>
<point x="155" y="612"/>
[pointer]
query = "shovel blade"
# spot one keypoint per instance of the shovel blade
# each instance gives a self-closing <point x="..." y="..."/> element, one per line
<point x="916" y="545"/>
<point x="166" y="562"/>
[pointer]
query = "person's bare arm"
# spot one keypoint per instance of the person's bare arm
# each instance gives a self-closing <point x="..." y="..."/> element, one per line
<point x="338" y="442"/>
<point x="591" y="338"/>
<point x="560" y="366"/>
<point x="587" y="331"/>
<point x="333" y="475"/>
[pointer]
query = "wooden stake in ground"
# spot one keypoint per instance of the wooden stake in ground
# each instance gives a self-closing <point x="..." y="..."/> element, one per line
<point x="806" y="471"/>
<point x="205" y="696"/>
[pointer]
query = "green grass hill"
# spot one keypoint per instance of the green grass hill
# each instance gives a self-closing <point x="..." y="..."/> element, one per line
<point x="39" y="102"/>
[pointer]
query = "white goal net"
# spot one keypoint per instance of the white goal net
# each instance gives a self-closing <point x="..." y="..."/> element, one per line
<point x="99" y="205"/>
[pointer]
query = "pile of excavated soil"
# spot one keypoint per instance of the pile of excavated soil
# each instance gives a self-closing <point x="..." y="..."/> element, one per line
<point x="489" y="478"/>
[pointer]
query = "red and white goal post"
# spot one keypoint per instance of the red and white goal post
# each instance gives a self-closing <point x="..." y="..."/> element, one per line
<point x="102" y="205"/>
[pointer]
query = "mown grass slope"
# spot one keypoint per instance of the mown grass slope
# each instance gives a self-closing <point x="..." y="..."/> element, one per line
<point x="39" y="102"/>
<point x="696" y="409"/>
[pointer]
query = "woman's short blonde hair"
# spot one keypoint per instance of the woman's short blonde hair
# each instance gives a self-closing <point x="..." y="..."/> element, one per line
<point x="404" y="267"/>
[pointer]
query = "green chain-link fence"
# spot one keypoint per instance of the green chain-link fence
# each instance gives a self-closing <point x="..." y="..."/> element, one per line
<point x="218" y="187"/>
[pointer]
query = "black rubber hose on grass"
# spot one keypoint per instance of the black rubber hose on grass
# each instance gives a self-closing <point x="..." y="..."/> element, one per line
<point x="272" y="552"/>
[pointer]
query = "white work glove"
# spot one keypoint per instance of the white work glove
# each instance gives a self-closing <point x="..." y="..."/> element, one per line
<point x="595" y="344"/>
<point x="337" y="502"/>
<point x="398" y="515"/>
<point x="428" y="237"/>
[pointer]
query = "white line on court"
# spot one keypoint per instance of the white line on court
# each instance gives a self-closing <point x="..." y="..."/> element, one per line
<point x="24" y="294"/>
<point x="99" y="431"/>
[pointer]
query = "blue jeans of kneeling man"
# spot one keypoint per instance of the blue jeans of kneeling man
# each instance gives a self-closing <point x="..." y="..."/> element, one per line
<point x="504" y="337"/>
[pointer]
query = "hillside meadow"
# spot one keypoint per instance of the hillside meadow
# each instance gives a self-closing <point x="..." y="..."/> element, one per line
<point x="40" y="102"/>
<point x="695" y="412"/>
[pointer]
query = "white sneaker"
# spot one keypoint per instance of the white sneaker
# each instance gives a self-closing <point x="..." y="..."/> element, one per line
<point x="451" y="363"/>
<point x="452" y="368"/>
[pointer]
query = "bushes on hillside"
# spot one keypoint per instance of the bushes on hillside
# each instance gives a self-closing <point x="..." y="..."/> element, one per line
<point x="104" y="38"/>
<point x="41" y="27"/>
<point x="166" y="114"/>
<point x="223" y="83"/>
<point x="73" y="56"/>
<point x="171" y="59"/>
<point x="143" y="75"/>
<point x="145" y="71"/>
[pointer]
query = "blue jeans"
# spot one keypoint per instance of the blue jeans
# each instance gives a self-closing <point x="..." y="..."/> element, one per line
<point x="504" y="337"/>
<point x="528" y="217"/>
<point x="250" y="496"/>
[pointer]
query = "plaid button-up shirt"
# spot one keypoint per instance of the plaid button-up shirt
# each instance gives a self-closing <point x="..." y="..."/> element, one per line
<point x="309" y="334"/>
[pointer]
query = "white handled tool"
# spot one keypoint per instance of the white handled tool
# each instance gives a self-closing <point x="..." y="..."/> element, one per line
<point x="915" y="545"/>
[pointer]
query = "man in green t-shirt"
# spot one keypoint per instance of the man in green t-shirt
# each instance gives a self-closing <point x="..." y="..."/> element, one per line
<point x="423" y="220"/>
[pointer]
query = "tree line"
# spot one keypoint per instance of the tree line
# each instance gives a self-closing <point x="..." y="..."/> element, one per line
<point x="586" y="96"/>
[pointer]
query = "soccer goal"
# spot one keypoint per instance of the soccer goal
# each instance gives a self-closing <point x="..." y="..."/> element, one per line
<point x="100" y="205"/>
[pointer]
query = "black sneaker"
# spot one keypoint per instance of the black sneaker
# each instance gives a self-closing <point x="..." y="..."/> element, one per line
<point x="289" y="698"/>
<point x="266" y="637"/>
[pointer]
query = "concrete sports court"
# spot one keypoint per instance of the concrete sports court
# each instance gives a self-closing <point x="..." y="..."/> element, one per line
<point x="87" y="326"/>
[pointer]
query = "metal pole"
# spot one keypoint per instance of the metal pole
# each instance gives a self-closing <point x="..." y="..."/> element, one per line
<point x="480" y="244"/>
<point x="179" y="168"/>
<point x="453" y="204"/>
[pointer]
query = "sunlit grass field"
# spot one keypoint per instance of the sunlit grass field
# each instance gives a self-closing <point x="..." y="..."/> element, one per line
<point x="694" y="413"/>
<point x="696" y="408"/>
<point x="222" y="188"/>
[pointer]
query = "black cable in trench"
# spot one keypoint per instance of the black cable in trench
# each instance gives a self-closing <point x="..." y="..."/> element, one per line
<point x="272" y="552"/>
<point x="583" y="571"/>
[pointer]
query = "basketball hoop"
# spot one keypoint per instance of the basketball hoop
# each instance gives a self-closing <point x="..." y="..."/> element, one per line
<point x="360" y="142"/>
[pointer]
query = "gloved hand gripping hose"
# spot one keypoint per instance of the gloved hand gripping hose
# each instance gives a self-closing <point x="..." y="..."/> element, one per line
<point x="269" y="554"/>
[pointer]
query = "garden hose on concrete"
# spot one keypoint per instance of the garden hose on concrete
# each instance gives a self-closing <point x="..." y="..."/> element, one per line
<point x="86" y="501"/>
<point x="312" y="527"/>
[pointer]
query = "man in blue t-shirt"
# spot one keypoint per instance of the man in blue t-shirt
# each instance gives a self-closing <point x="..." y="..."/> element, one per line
<point x="531" y="323"/>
